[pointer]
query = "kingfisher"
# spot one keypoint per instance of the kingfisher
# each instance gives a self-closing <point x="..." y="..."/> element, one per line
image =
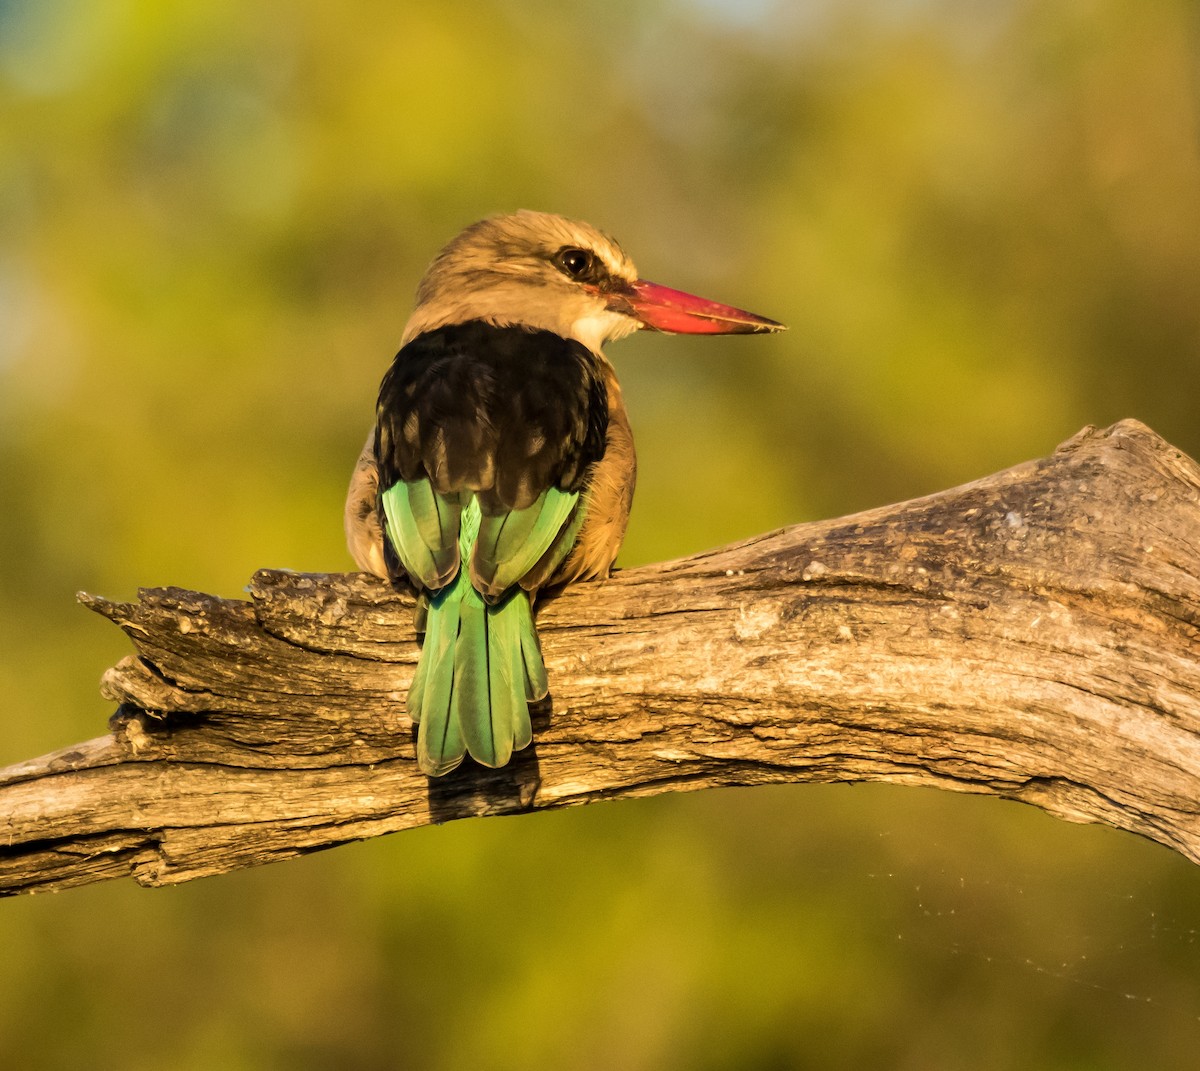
<point x="501" y="462"/>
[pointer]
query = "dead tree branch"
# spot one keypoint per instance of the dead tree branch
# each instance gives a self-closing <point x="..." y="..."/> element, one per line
<point x="1034" y="635"/>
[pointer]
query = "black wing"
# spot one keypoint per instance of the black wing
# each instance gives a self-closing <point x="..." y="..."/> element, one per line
<point x="506" y="412"/>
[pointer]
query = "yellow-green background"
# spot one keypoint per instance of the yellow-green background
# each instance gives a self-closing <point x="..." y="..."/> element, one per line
<point x="980" y="218"/>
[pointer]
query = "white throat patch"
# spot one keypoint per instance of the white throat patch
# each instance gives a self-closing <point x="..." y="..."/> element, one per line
<point x="597" y="328"/>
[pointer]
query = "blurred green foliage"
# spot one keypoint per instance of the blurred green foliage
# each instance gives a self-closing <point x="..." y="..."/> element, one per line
<point x="982" y="222"/>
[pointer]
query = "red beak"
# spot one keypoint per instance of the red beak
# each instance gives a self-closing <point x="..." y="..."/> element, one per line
<point x="662" y="309"/>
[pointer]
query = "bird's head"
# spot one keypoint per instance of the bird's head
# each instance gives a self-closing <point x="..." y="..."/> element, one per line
<point x="544" y="271"/>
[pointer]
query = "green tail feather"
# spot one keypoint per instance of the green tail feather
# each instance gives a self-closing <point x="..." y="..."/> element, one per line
<point x="480" y="666"/>
<point x="440" y="745"/>
<point x="533" y="669"/>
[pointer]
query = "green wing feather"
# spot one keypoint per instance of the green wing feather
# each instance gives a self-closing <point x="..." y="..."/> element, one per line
<point x="510" y="544"/>
<point x="481" y="663"/>
<point x="424" y="529"/>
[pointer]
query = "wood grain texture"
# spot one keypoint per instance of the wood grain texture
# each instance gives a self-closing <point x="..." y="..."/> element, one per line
<point x="1034" y="635"/>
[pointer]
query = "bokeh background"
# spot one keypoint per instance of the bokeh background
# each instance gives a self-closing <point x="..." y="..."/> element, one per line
<point x="980" y="218"/>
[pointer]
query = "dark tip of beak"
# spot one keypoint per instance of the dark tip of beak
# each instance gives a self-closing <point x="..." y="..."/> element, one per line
<point x="662" y="309"/>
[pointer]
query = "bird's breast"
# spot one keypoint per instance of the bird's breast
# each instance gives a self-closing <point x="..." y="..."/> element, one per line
<point x="608" y="498"/>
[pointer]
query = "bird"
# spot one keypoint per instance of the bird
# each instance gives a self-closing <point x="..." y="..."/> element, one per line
<point x="501" y="462"/>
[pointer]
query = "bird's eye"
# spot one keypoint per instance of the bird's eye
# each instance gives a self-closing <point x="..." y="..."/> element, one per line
<point x="576" y="263"/>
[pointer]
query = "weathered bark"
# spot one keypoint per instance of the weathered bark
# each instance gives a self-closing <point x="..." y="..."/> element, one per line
<point x="1034" y="635"/>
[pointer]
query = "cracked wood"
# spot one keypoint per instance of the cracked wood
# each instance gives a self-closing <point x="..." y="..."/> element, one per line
<point x="1033" y="635"/>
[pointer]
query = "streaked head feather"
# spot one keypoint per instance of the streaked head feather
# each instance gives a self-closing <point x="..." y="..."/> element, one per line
<point x="501" y="270"/>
